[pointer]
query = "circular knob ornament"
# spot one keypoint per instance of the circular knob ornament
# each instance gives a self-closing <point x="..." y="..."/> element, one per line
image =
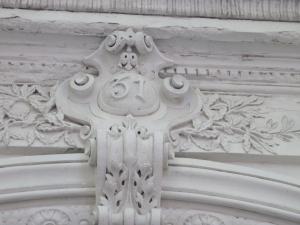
<point x="176" y="87"/>
<point x="82" y="84"/>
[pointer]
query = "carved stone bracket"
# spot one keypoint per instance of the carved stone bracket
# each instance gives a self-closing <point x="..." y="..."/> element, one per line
<point x="130" y="109"/>
<point x="129" y="173"/>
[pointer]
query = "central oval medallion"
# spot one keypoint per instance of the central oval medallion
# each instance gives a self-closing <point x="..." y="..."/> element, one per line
<point x="128" y="93"/>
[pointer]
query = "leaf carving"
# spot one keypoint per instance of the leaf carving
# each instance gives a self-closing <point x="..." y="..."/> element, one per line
<point x="32" y="108"/>
<point x="115" y="187"/>
<point x="119" y="185"/>
<point x="233" y="118"/>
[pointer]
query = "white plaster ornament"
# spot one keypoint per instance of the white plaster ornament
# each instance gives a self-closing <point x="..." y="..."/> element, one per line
<point x="129" y="107"/>
<point x="139" y="119"/>
<point x="130" y="118"/>
<point x="82" y="215"/>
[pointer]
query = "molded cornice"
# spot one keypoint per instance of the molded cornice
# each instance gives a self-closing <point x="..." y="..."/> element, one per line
<point x="247" y="56"/>
<point x="287" y="10"/>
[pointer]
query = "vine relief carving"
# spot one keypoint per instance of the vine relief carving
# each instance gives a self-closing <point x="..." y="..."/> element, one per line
<point x="228" y="120"/>
<point x="29" y="116"/>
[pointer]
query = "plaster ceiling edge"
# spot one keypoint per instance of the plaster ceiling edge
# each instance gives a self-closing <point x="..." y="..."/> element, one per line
<point x="240" y="9"/>
<point x="253" y="71"/>
<point x="159" y="27"/>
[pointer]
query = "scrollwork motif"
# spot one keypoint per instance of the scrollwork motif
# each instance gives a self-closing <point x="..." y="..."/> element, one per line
<point x="116" y="130"/>
<point x="120" y="39"/>
<point x="133" y="43"/>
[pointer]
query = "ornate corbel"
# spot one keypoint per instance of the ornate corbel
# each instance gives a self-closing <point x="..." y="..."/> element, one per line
<point x="131" y="109"/>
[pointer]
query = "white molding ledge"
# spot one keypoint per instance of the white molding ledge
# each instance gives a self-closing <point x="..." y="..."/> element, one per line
<point x="287" y="10"/>
<point x="160" y="27"/>
<point x="259" y="56"/>
<point x="188" y="184"/>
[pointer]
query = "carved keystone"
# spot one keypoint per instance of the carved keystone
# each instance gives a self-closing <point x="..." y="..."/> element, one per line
<point x="130" y="108"/>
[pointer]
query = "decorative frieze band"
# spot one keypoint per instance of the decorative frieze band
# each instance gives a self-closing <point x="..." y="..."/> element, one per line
<point x="128" y="63"/>
<point x="84" y="215"/>
<point x="287" y="10"/>
<point x="236" y="124"/>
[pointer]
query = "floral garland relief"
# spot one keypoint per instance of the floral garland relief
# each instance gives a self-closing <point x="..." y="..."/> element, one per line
<point x="228" y="120"/>
<point x="28" y="115"/>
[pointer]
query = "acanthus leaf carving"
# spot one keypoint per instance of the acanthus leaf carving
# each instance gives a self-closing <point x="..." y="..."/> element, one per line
<point x="130" y="182"/>
<point x="115" y="187"/>
<point x="119" y="185"/>
<point x="144" y="191"/>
